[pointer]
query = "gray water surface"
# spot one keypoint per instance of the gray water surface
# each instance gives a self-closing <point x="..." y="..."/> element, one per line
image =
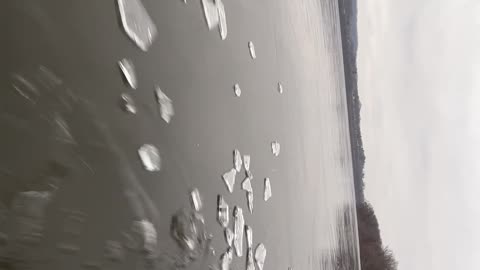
<point x="62" y="64"/>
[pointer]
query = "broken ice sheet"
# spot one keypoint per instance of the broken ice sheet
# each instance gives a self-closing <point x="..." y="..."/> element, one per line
<point x="128" y="71"/>
<point x="275" y="148"/>
<point x="229" y="236"/>
<point x="246" y="162"/>
<point x="222" y="211"/>
<point x="280" y="88"/>
<point x="165" y="103"/>
<point x="196" y="200"/>
<point x="237" y="90"/>
<point x="251" y="48"/>
<point x="239" y="225"/>
<point x="237" y="160"/>
<point x="268" y="190"/>
<point x="260" y="255"/>
<point x="210" y="12"/>
<point x="222" y="18"/>
<point x="137" y="23"/>
<point x="229" y="179"/>
<point x="128" y="105"/>
<point x="150" y="157"/>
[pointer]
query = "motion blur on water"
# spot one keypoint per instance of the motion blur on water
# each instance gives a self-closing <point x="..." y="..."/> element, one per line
<point x="118" y="125"/>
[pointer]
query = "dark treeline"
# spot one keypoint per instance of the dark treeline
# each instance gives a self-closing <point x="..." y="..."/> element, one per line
<point x="373" y="254"/>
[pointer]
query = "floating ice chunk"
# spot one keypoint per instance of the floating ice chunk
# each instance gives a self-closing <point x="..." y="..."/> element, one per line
<point x="268" y="190"/>
<point x="128" y="71"/>
<point x="226" y="259"/>
<point x="196" y="199"/>
<point x="166" y="106"/>
<point x="251" y="48"/>
<point x="246" y="162"/>
<point x="238" y="230"/>
<point x="280" y="88"/>
<point x="150" y="157"/>
<point x="128" y="105"/>
<point x="229" y="236"/>
<point x="114" y="251"/>
<point x="229" y="179"/>
<point x="250" y="201"/>
<point x="210" y="12"/>
<point x="222" y="211"/>
<point x="237" y="90"/>
<point x="275" y="148"/>
<point x="145" y="230"/>
<point x="237" y="160"/>
<point x="249" y="234"/>
<point x="222" y="18"/>
<point x="260" y="255"/>
<point x="137" y="23"/>
<point x="247" y="185"/>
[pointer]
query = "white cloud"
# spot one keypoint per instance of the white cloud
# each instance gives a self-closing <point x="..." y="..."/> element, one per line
<point x="417" y="67"/>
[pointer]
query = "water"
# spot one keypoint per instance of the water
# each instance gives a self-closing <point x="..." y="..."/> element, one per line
<point x="310" y="224"/>
<point x="150" y="157"/>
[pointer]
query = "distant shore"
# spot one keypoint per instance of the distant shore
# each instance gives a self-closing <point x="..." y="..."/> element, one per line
<point x="373" y="254"/>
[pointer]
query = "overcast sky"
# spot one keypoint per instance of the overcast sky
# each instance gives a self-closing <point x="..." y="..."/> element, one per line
<point x="419" y="62"/>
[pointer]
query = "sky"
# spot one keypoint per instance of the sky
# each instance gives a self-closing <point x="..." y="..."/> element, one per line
<point x="418" y="62"/>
